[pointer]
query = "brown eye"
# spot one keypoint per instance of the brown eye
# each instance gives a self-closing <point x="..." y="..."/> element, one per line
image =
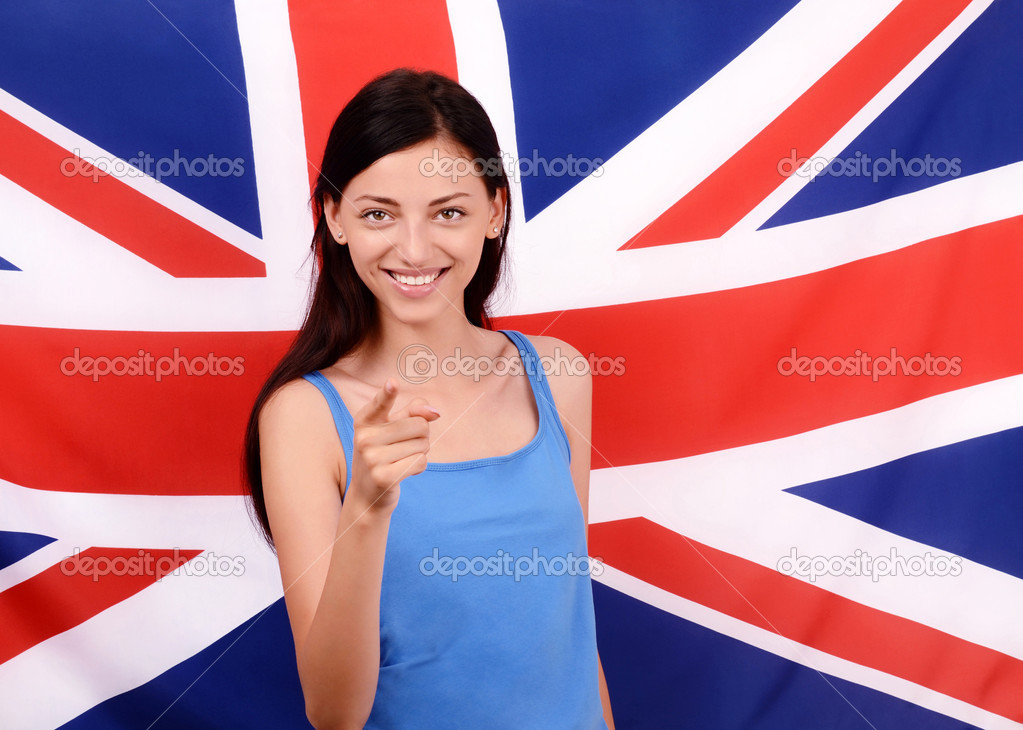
<point x="375" y="215"/>
<point x="451" y="214"/>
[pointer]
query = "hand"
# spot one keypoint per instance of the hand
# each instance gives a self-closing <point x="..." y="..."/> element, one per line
<point x="388" y="450"/>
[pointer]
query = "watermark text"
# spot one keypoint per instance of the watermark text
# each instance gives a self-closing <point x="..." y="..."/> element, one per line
<point x="860" y="364"/>
<point x="418" y="364"/>
<point x="145" y="563"/>
<point x="862" y="564"/>
<point x="862" y="165"/>
<point x="146" y="364"/>
<point x="515" y="168"/>
<point x="145" y="165"/>
<point x="505" y="564"/>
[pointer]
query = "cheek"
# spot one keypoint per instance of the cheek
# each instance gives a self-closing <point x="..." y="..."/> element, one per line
<point x="364" y="252"/>
<point x="471" y="257"/>
<point x="363" y="268"/>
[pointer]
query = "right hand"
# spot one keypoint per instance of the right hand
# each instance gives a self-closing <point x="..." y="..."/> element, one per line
<point x="388" y="450"/>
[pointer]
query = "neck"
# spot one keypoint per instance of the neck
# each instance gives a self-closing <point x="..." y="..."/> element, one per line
<point x="402" y="349"/>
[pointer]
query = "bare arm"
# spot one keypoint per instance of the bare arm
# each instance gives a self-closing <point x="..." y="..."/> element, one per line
<point x="573" y="395"/>
<point x="331" y="554"/>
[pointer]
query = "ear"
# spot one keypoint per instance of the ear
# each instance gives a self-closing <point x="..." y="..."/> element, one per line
<point x="332" y="215"/>
<point x="497" y="211"/>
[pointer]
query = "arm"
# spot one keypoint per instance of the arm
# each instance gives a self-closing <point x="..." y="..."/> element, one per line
<point x="573" y="395"/>
<point x="331" y="554"/>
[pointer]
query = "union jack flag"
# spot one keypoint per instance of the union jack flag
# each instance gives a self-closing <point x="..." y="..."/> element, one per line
<point x="786" y="233"/>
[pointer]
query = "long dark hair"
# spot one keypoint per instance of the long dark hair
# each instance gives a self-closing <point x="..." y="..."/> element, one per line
<point x="394" y="111"/>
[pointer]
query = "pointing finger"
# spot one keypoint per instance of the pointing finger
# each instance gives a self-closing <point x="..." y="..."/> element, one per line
<point x="378" y="410"/>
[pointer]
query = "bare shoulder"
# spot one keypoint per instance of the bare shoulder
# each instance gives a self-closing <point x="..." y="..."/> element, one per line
<point x="571" y="383"/>
<point x="568" y="375"/>
<point x="567" y="369"/>
<point x="289" y="402"/>
<point x="296" y="425"/>
<point x="297" y="409"/>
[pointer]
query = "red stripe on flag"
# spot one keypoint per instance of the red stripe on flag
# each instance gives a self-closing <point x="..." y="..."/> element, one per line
<point x="701" y="373"/>
<point x="178" y="433"/>
<point x="751" y="174"/>
<point x="115" y="210"/>
<point x="711" y="383"/>
<point x="811" y="615"/>
<point x="73" y="591"/>
<point x="337" y="53"/>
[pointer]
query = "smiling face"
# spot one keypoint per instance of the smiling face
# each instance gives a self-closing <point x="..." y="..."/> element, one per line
<point x="416" y="239"/>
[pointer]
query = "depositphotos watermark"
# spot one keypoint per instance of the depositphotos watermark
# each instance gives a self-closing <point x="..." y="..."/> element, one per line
<point x="506" y="564"/>
<point x="147" y="365"/>
<point x="862" y="564"/>
<point x="157" y="567"/>
<point x="861" y="165"/>
<point x="145" y="165"/>
<point x="860" y="363"/>
<point x="418" y="363"/>
<point x="515" y="168"/>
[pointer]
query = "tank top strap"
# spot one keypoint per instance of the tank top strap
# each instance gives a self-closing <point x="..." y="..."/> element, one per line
<point x="342" y="418"/>
<point x="541" y="388"/>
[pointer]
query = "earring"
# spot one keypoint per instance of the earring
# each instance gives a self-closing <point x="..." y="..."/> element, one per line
<point x="340" y="235"/>
<point x="495" y="229"/>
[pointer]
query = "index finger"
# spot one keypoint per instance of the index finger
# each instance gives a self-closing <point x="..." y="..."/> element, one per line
<point x="378" y="410"/>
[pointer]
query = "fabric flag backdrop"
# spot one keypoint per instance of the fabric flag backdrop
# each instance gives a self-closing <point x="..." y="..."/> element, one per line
<point x="787" y="233"/>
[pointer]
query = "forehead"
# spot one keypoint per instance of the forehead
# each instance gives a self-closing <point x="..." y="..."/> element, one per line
<point x="426" y="171"/>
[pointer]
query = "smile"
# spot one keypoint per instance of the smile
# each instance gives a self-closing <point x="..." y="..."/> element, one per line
<point x="420" y="279"/>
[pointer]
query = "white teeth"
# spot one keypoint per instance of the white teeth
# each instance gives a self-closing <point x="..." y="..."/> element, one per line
<point x="415" y="280"/>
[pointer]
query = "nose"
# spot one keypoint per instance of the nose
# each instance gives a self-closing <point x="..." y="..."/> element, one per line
<point x="415" y="245"/>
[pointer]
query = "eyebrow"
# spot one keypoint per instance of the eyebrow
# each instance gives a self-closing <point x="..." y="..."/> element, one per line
<point x="396" y="204"/>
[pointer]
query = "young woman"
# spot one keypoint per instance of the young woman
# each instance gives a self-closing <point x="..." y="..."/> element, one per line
<point x="430" y="522"/>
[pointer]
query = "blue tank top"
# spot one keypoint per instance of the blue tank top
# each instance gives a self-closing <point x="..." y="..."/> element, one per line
<point x="486" y="607"/>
